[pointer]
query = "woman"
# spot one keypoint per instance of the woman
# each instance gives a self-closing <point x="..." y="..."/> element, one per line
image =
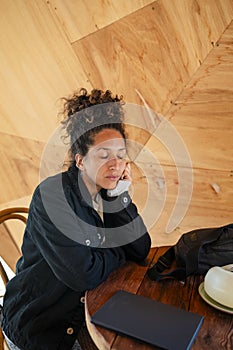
<point x="81" y="226"/>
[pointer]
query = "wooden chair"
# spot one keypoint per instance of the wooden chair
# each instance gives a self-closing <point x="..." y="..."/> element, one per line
<point x="14" y="213"/>
<point x="9" y="214"/>
<point x="18" y="213"/>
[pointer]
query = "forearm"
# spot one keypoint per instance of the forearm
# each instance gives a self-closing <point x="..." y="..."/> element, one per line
<point x="139" y="249"/>
<point x="125" y="227"/>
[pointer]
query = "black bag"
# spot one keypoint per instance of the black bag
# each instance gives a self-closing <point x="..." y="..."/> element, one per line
<point x="195" y="253"/>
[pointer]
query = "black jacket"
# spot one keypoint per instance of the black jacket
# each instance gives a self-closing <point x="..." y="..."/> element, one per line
<point x="67" y="249"/>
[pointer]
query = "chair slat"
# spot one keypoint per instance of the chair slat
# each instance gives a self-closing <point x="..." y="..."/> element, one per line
<point x="9" y="214"/>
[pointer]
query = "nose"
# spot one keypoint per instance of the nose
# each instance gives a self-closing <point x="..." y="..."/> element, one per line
<point x="113" y="163"/>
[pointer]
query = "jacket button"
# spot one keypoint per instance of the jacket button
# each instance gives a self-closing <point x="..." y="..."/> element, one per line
<point x="125" y="200"/>
<point x="88" y="242"/>
<point x="82" y="299"/>
<point x="70" y="331"/>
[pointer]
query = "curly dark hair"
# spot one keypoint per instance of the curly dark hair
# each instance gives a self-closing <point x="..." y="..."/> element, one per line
<point x="86" y="114"/>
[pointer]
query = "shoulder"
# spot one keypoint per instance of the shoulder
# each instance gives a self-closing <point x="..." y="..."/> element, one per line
<point x="53" y="188"/>
<point x="59" y="181"/>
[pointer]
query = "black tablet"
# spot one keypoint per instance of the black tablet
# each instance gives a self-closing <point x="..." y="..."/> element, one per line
<point x="148" y="320"/>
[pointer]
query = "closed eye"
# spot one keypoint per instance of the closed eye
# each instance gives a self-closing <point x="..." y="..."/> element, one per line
<point x="103" y="154"/>
<point x="106" y="154"/>
<point x="121" y="154"/>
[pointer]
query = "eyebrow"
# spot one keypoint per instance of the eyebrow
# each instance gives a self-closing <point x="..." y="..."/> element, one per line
<point x="108" y="148"/>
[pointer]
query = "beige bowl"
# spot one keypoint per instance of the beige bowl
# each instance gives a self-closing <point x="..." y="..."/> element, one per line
<point x="218" y="284"/>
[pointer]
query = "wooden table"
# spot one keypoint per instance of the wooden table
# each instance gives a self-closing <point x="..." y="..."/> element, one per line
<point x="216" y="332"/>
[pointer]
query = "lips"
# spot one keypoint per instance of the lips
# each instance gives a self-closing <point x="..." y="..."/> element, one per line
<point x="112" y="177"/>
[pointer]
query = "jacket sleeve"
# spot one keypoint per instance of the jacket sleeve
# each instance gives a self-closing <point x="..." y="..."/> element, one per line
<point x="53" y="228"/>
<point x="125" y="227"/>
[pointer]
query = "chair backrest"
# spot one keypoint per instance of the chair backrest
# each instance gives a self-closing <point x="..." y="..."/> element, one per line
<point x="13" y="213"/>
<point x="18" y="213"/>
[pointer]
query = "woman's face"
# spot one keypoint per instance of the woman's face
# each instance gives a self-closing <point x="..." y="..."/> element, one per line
<point x="105" y="162"/>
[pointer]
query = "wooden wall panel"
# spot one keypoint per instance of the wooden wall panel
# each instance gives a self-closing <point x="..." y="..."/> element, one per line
<point x="213" y="81"/>
<point x="203" y="116"/>
<point x="38" y="66"/>
<point x="20" y="160"/>
<point x="155" y="50"/>
<point x="156" y="197"/>
<point x="212" y="189"/>
<point x="81" y="18"/>
<point x="202" y="21"/>
<point x="208" y="148"/>
<point x="204" y="111"/>
<point x="196" y="217"/>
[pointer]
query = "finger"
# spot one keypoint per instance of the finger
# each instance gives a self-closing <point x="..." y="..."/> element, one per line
<point x="127" y="173"/>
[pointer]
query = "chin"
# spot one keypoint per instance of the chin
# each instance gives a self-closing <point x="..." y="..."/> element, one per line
<point x="110" y="186"/>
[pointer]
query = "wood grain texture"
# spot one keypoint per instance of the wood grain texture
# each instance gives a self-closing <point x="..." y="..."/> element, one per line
<point x="215" y="332"/>
<point x="202" y="117"/>
<point x="160" y="52"/>
<point x="19" y="171"/>
<point x="130" y="281"/>
<point x="38" y="66"/>
<point x="213" y="81"/>
<point x="156" y="196"/>
<point x="202" y="114"/>
<point x="97" y="14"/>
<point x="203" y="147"/>
<point x="204" y="191"/>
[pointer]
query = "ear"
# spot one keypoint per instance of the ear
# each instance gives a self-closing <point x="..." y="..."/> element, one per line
<point x="79" y="161"/>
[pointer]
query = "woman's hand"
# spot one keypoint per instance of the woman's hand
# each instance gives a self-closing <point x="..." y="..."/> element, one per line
<point x="126" y="175"/>
<point x="123" y="184"/>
